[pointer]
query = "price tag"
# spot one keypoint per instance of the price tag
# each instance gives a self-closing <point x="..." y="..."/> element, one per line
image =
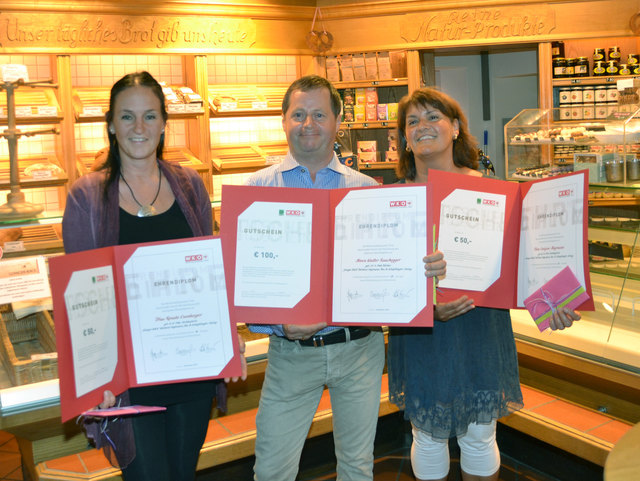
<point x="274" y="159"/>
<point x="23" y="111"/>
<point x="41" y="174"/>
<point x="259" y="105"/>
<point x="228" y="105"/>
<point x="47" y="110"/>
<point x="14" y="246"/>
<point x="13" y="72"/>
<point x="44" y="356"/>
<point x="175" y="108"/>
<point x="91" y="110"/>
<point x="193" y="108"/>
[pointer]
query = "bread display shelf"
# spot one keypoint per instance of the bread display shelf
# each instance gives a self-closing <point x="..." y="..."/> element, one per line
<point x="91" y="103"/>
<point x="28" y="348"/>
<point x="236" y="159"/>
<point x="37" y="239"/>
<point x="86" y="161"/>
<point x="35" y="175"/>
<point x="246" y="100"/>
<point x="33" y="106"/>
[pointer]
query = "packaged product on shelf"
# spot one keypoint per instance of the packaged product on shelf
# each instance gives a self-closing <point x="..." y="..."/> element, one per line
<point x="346" y="67"/>
<point x="392" y="139"/>
<point x="348" y="113"/>
<point x="371" y="112"/>
<point x="358" y="67"/>
<point x="348" y="97"/>
<point x="367" y="146"/>
<point x="382" y="112"/>
<point x="392" y="109"/>
<point x="188" y="96"/>
<point x="392" y="155"/>
<point x="371" y="95"/>
<point x="384" y="65"/>
<point x="333" y="73"/>
<point x="361" y="96"/>
<point x="367" y="157"/>
<point x="398" y="61"/>
<point x="359" y="113"/>
<point x="371" y="65"/>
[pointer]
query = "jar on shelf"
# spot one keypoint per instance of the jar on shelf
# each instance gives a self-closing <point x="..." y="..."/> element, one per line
<point x="588" y="111"/>
<point x="601" y="110"/>
<point x="576" y="95"/>
<point x="559" y="67"/>
<point x="571" y="67"/>
<point x="636" y="69"/>
<point x="557" y="49"/>
<point x="598" y="54"/>
<point x="612" y="93"/>
<point x="612" y="108"/>
<point x="633" y="59"/>
<point x="613" y="53"/>
<point x="612" y="67"/>
<point x="623" y="69"/>
<point x="581" y="68"/>
<point x="564" y="95"/>
<point x="599" y="68"/>
<point x="577" y="111"/>
<point x="600" y="93"/>
<point x="588" y="94"/>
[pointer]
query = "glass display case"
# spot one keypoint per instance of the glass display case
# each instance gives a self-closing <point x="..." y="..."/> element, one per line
<point x="544" y="142"/>
<point x="540" y="144"/>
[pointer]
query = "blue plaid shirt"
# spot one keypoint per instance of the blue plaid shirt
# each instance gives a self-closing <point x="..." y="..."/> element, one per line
<point x="289" y="173"/>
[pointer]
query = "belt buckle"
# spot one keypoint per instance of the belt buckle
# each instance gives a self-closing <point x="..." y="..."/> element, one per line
<point x="315" y="341"/>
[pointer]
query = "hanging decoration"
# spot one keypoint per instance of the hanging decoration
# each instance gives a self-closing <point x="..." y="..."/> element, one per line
<point x="319" y="41"/>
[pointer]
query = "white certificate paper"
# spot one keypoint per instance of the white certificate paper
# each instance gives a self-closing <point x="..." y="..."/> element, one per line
<point x="551" y="233"/>
<point x="273" y="254"/>
<point x="178" y="312"/>
<point x="93" y="327"/>
<point x="470" y="236"/>
<point x="380" y="238"/>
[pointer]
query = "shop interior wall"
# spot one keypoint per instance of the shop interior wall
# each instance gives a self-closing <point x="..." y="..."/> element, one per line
<point x="513" y="86"/>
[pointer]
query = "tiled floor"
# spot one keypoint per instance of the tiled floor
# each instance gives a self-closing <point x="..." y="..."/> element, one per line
<point x="10" y="467"/>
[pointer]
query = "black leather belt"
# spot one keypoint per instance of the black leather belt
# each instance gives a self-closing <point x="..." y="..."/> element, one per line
<point x="335" y="337"/>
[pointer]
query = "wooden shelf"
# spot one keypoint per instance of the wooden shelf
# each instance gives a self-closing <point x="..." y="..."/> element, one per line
<point x="36" y="240"/>
<point x="39" y="102"/>
<point x="395" y="82"/>
<point x="90" y="104"/>
<point x="85" y="160"/>
<point x="236" y="159"/>
<point x="246" y="100"/>
<point x="377" y="165"/>
<point x="370" y="124"/>
<point x="35" y="177"/>
<point x="600" y="80"/>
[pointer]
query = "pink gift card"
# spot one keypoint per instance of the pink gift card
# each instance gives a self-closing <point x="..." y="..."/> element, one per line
<point x="563" y="290"/>
<point x="122" y="411"/>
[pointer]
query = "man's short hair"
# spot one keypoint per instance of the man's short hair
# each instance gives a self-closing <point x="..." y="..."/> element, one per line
<point x="312" y="82"/>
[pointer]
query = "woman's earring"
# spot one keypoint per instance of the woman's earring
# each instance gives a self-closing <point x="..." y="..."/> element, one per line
<point x="407" y="148"/>
<point x="112" y="130"/>
<point x="455" y="136"/>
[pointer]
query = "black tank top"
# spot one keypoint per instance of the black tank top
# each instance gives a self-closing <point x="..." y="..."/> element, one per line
<point x="171" y="224"/>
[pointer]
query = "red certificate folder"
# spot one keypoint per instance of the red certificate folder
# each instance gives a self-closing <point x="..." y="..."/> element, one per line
<point x="112" y="259"/>
<point x="316" y="305"/>
<point x="503" y="292"/>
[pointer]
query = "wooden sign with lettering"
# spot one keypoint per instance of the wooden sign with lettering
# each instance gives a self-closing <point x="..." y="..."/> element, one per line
<point x="86" y="33"/>
<point x="469" y="25"/>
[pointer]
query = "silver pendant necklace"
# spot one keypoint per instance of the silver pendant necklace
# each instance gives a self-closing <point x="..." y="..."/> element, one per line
<point x="145" y="210"/>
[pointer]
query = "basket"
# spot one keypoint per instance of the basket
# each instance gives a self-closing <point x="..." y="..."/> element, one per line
<point x="23" y="343"/>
